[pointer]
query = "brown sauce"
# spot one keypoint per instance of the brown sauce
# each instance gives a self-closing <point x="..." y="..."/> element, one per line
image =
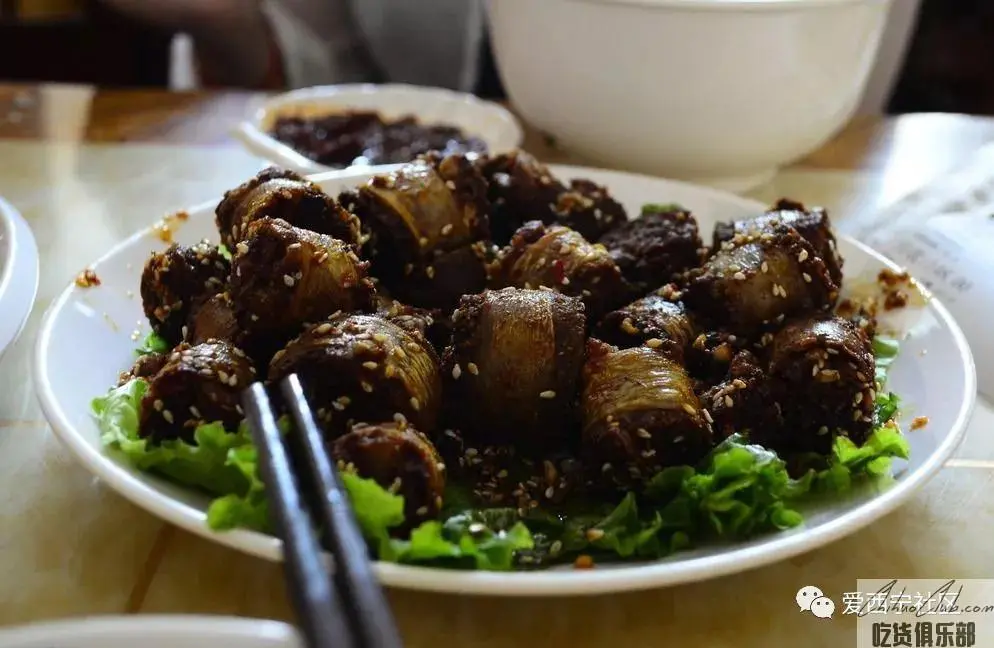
<point x="341" y="140"/>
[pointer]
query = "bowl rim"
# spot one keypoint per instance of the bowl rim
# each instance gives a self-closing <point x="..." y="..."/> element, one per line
<point x="156" y="626"/>
<point x="252" y="134"/>
<point x="627" y="578"/>
<point x="782" y="6"/>
<point x="19" y="274"/>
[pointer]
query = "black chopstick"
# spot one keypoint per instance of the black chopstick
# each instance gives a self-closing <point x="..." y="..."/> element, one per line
<point x="349" y="609"/>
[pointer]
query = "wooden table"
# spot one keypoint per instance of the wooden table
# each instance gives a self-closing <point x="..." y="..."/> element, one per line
<point x="88" y="167"/>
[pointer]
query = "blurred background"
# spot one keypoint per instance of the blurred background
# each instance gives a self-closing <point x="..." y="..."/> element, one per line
<point x="939" y="56"/>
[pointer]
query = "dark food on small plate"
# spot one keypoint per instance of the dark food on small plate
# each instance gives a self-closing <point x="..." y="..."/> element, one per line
<point x="364" y="137"/>
<point x="473" y="332"/>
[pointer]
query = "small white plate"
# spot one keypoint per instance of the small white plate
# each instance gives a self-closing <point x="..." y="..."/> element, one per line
<point x="152" y="632"/>
<point x="493" y="124"/>
<point x="79" y="356"/>
<point x="18" y="273"/>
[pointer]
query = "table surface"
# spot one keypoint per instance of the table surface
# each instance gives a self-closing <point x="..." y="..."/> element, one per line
<point x="88" y="167"/>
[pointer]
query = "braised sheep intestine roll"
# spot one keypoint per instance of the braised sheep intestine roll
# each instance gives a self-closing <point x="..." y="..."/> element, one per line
<point x="281" y="193"/>
<point x="813" y="224"/>
<point x="399" y="458"/>
<point x="433" y="324"/>
<point x="827" y="366"/>
<point x="513" y="368"/>
<point x="427" y="223"/>
<point x="640" y="414"/>
<point x="558" y="258"/>
<point x="756" y="280"/>
<point x="745" y="401"/>
<point x="363" y="369"/>
<point x="284" y="276"/>
<point x="521" y="189"/>
<point x="654" y="321"/>
<point x="217" y="319"/>
<point x="656" y="248"/>
<point x="197" y="384"/>
<point x="174" y="282"/>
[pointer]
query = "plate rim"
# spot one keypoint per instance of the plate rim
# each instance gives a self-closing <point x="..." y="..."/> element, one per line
<point x="119" y="627"/>
<point x="23" y="262"/>
<point x="638" y="577"/>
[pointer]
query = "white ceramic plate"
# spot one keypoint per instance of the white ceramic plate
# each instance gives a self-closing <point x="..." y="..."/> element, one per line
<point x="484" y="119"/>
<point x="152" y="632"/>
<point x="18" y="273"/>
<point x="79" y="356"/>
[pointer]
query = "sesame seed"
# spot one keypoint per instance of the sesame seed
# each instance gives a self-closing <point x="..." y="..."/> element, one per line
<point x="678" y="439"/>
<point x="856" y="414"/>
<point x="390" y="371"/>
<point x="223" y="375"/>
<point x="707" y="416"/>
<point x="689" y="409"/>
<point x="447" y="229"/>
<point x="415" y="404"/>
<point x="399" y="418"/>
<point x="430" y="272"/>
<point x="861" y="376"/>
<point x="242" y="248"/>
<point x="195" y="412"/>
<point x="456" y="372"/>
<point x="628" y="327"/>
<point x="647" y="454"/>
<point x="422" y="510"/>
<point x="548" y="394"/>
<point x="379" y="337"/>
<point x="644" y="433"/>
<point x="775" y="290"/>
<point x="764" y="267"/>
<point x="472" y="452"/>
<point x="606" y="468"/>
<point x="653" y="343"/>
<point x="322" y="329"/>
<point x="729" y="402"/>
<point x="814" y="370"/>
<point x="233" y="381"/>
<point x="739" y="276"/>
<point x="370" y="365"/>
<point x="366" y="387"/>
<point x="473" y="369"/>
<point x="288" y="280"/>
<point x="823" y="430"/>
<point x="254" y="317"/>
<point x="423" y="241"/>
<point x="806" y="277"/>
<point x="556" y="547"/>
<point x="167" y="415"/>
<point x="451" y="185"/>
<point x="438" y="498"/>
<point x="158" y="405"/>
<point x="549" y="492"/>
<point x="565" y="281"/>
<point x="594" y="534"/>
<point x="803" y="256"/>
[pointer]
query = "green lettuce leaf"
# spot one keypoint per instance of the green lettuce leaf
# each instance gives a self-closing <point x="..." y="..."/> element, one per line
<point x="224" y="251"/>
<point x="203" y="464"/>
<point x="661" y="208"/>
<point x="153" y="343"/>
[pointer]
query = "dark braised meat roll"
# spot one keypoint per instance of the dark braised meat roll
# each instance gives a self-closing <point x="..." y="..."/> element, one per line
<point x="284" y="276"/>
<point x="427" y="223"/>
<point x="197" y="384"/>
<point x="520" y="189"/>
<point x="513" y="368"/>
<point x="216" y="319"/>
<point x="523" y="189"/>
<point x="640" y="414"/>
<point x="363" y="369"/>
<point x="813" y="224"/>
<point x="558" y="258"/>
<point x="757" y="280"/>
<point x="826" y="367"/>
<point x="745" y="401"/>
<point x="175" y="281"/>
<point x="399" y="458"/>
<point x="145" y="366"/>
<point x="433" y="324"/>
<point x="656" y="248"/>
<point x="281" y="193"/>
<point x="653" y="321"/>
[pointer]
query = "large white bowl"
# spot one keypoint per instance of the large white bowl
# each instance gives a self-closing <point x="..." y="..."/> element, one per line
<point x="80" y="353"/>
<point x="18" y="273"/>
<point x="167" y="631"/>
<point x="720" y="92"/>
<point x="492" y="123"/>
